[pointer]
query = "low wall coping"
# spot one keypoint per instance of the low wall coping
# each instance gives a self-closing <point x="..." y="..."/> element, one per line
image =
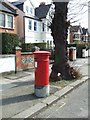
<point x="26" y="53"/>
<point x="6" y="56"/>
<point x="18" y="48"/>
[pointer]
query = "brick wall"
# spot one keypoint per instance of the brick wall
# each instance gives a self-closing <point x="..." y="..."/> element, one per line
<point x="24" y="60"/>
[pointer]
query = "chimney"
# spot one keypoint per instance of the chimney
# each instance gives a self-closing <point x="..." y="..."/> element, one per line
<point x="42" y="4"/>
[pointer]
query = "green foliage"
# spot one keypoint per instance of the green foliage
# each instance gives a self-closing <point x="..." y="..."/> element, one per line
<point x="79" y="49"/>
<point x="42" y="46"/>
<point x="9" y="42"/>
<point x="29" y="47"/>
<point x="71" y="45"/>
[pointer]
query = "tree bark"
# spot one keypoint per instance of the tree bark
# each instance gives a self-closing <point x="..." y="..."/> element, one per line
<point x="59" y="28"/>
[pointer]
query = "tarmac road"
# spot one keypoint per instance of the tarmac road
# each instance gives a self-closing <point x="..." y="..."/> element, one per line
<point x="74" y="105"/>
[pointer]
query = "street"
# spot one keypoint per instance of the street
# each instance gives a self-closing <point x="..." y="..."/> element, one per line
<point x="73" y="105"/>
<point x="18" y="97"/>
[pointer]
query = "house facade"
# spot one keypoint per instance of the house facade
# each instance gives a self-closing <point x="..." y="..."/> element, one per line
<point x="8" y="18"/>
<point x="89" y="17"/>
<point x="35" y="22"/>
<point x="77" y="33"/>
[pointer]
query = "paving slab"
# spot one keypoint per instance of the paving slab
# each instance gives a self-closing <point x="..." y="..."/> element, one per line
<point x="30" y="111"/>
<point x="20" y="98"/>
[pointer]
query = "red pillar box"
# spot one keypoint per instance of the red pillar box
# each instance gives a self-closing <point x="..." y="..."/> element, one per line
<point x="41" y="73"/>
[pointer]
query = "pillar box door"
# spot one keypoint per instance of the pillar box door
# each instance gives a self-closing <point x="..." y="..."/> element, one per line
<point x="41" y="73"/>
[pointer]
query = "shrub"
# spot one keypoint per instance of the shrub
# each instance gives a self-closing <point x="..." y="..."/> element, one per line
<point x="27" y="47"/>
<point x="9" y="42"/>
<point x="30" y="47"/>
<point x="42" y="46"/>
<point x="79" y="49"/>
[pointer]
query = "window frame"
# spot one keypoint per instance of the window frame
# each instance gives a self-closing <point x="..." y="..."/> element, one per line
<point x="27" y="9"/>
<point x="3" y="21"/>
<point x="12" y="25"/>
<point x="31" y="10"/>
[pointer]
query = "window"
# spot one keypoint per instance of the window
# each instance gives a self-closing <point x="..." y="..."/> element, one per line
<point x="76" y="36"/>
<point x="48" y="44"/>
<point x="6" y="20"/>
<point x="9" y="21"/>
<point x="43" y="27"/>
<point x="2" y="19"/>
<point x="30" y="25"/>
<point x="47" y="26"/>
<point x="27" y="9"/>
<point x="35" y="26"/>
<point x="31" y="10"/>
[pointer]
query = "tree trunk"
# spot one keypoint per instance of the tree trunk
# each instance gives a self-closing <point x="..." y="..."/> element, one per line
<point x="59" y="32"/>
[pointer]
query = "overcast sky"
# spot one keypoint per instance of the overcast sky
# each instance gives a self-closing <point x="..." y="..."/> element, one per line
<point x="81" y="13"/>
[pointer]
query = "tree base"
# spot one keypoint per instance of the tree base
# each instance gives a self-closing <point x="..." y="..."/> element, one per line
<point x="69" y="73"/>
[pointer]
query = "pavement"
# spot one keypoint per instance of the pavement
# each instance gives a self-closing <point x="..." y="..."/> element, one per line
<point x="17" y="92"/>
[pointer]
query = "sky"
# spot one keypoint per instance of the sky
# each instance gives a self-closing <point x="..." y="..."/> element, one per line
<point x="78" y="11"/>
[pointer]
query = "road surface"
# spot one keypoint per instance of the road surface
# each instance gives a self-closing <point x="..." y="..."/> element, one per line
<point x="73" y="105"/>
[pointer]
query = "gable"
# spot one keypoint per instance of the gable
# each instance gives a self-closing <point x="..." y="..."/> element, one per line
<point x="74" y="28"/>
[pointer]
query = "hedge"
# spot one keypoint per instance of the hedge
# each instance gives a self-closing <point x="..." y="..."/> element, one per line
<point x="27" y="47"/>
<point x="30" y="47"/>
<point x="9" y="42"/>
<point x="79" y="49"/>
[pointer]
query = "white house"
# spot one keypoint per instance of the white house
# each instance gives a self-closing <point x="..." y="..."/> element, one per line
<point x="35" y="22"/>
<point x="89" y="17"/>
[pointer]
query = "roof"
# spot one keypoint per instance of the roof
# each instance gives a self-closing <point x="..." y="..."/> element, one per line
<point x="85" y="31"/>
<point x="6" y="9"/>
<point x="9" y="4"/>
<point x="42" y="10"/>
<point x="18" y="2"/>
<point x="74" y="28"/>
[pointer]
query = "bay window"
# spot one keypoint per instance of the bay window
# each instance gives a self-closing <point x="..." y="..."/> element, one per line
<point x="2" y="20"/>
<point x="6" y="20"/>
